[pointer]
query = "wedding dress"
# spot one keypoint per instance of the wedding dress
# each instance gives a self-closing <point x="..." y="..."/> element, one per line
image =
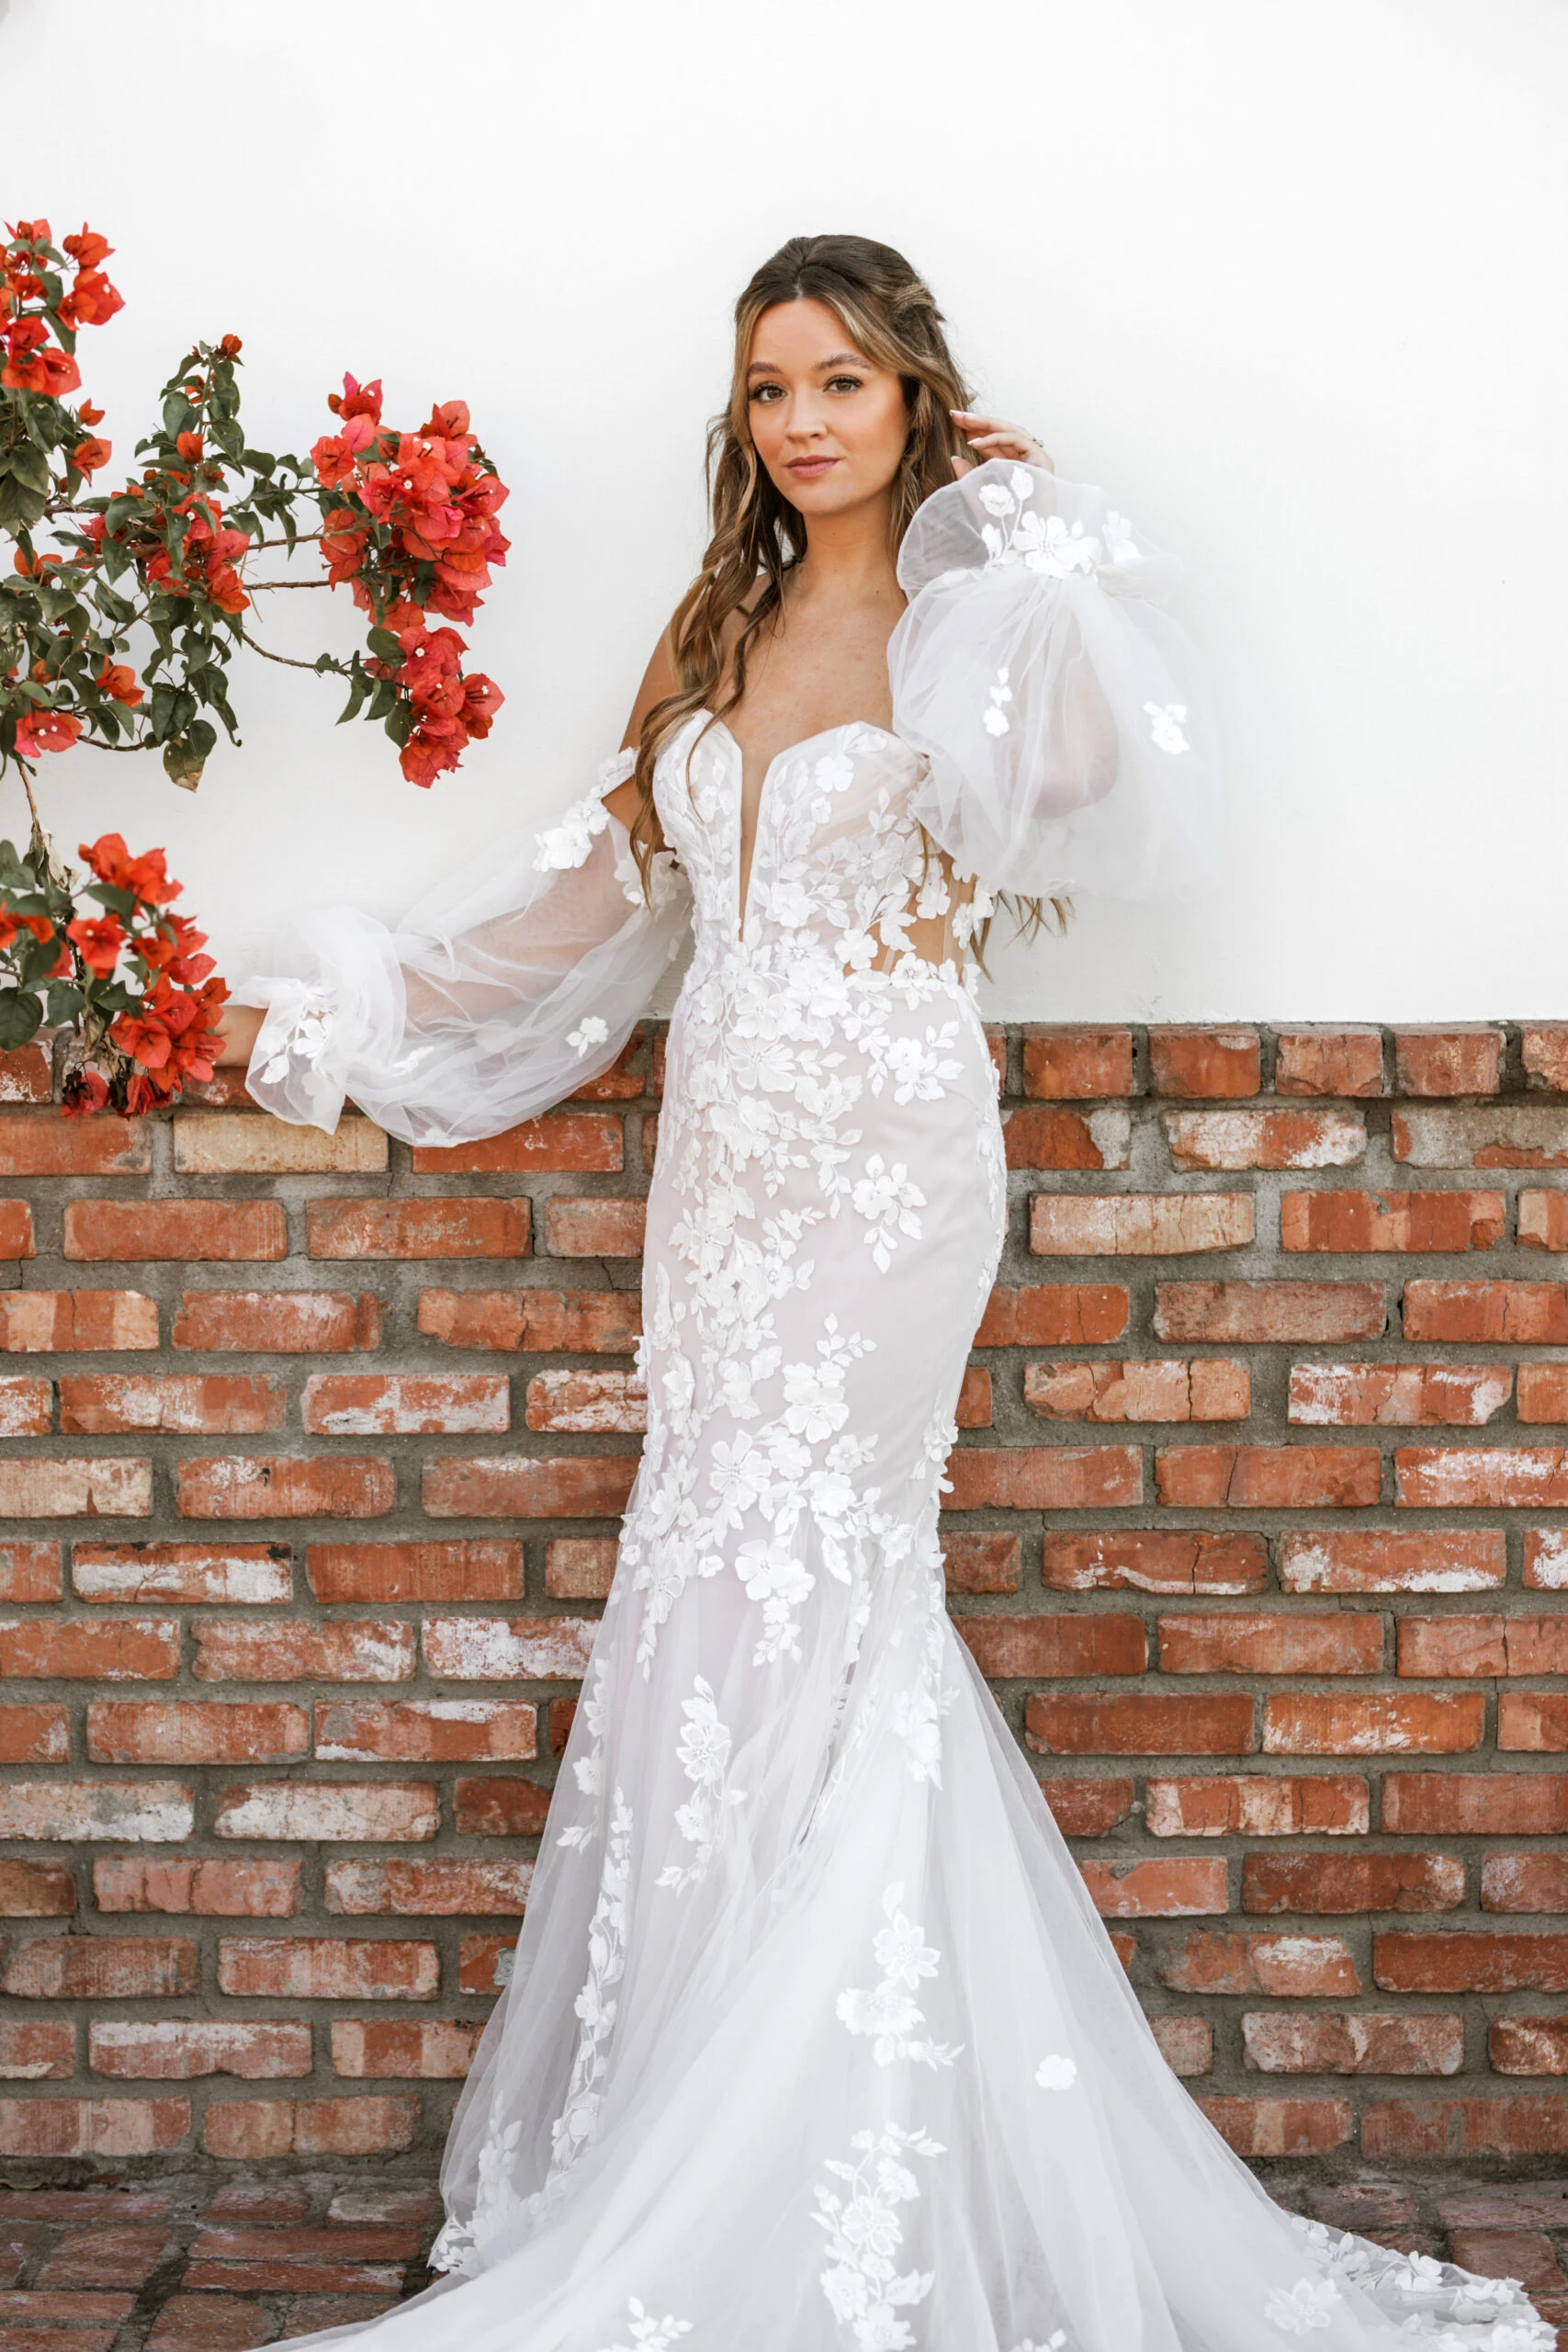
<point x="814" y="2040"/>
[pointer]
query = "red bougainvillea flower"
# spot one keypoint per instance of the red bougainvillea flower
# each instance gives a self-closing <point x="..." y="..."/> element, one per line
<point x="357" y="400"/>
<point x="230" y="345"/>
<point x="11" y="922"/>
<point x="84" y="1093"/>
<point x="342" y="545"/>
<point x="45" y="730"/>
<point x="89" y="455"/>
<point x="118" y="680"/>
<point x="25" y="336"/>
<point x="145" y="877"/>
<point x="92" y="300"/>
<point x="481" y="699"/>
<point x="98" y="939"/>
<point x="87" y="249"/>
<point x="189" y="444"/>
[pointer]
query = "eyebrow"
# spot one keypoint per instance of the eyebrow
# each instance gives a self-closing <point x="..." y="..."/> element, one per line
<point x="834" y="359"/>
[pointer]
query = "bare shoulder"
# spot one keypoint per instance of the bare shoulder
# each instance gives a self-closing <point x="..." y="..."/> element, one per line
<point x="658" y="679"/>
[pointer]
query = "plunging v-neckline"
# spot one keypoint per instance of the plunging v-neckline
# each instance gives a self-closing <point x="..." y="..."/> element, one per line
<point x="746" y="856"/>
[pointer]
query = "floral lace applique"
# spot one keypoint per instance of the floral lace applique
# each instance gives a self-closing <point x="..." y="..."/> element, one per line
<point x="862" y="2283"/>
<point x="1166" y="721"/>
<point x="648" y="2334"/>
<point x="704" y="1751"/>
<point x="595" y="2006"/>
<point x="1056" y="2073"/>
<point x="307" y="1038"/>
<point x="1297" y="2310"/>
<point x="566" y="843"/>
<point x="888" y="2011"/>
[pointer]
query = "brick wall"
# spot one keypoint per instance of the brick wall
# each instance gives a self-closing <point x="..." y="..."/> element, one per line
<point x="312" y="1454"/>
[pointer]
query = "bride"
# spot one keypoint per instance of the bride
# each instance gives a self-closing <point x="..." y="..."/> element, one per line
<point x="814" y="2040"/>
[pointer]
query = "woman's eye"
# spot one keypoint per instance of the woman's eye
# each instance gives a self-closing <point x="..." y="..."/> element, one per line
<point x="767" y="391"/>
<point x="844" y="383"/>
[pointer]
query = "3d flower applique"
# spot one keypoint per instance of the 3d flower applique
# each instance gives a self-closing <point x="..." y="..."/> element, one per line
<point x="1052" y="2343"/>
<point x="593" y="1031"/>
<point x="888" y="2012"/>
<point x="566" y="844"/>
<point x="994" y="717"/>
<point x="1166" y="721"/>
<point x="1056" y="2073"/>
<point x="648" y="2334"/>
<point x="864" y="2288"/>
<point x="1310" y="2303"/>
<point x="309" y="1036"/>
<point x="704" y="1751"/>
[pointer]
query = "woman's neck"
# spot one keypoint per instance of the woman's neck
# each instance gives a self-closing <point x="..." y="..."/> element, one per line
<point x="847" y="559"/>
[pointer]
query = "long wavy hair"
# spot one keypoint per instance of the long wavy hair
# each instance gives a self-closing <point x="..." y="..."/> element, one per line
<point x="757" y="535"/>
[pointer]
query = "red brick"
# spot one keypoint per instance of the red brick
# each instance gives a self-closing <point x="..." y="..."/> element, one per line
<point x="1433" y="1561"/>
<point x="1055" y="1139"/>
<point x="1268" y="1477"/>
<point x="326" y="1968"/>
<point x="972" y="1563"/>
<point x="627" y="1077"/>
<point x="1205" y="1388"/>
<point x="49" y="1146"/>
<point x="1352" y="2041"/>
<point x="1543" y="1393"/>
<point x="387" y="1228"/>
<point x="1484" y="1645"/>
<point x="196" y="1731"/>
<point x="326" y="1811"/>
<point x="1482" y="1477"/>
<point x="1152" y="1887"/>
<point x="280" y="1322"/>
<point x="1256" y="1642"/>
<point x="411" y="2049"/>
<point x="1054" y="1314"/>
<point x="242" y="1486"/>
<point x="1138" y="1225"/>
<point x="177" y="2050"/>
<point x="1280" y="2127"/>
<point x="1040" y="1646"/>
<point x="1319" y="1883"/>
<point x="277" y="2261"/>
<point x="418" y="1731"/>
<point x="1289" y="1967"/>
<point x="26" y="1406"/>
<point x="36" y="1890"/>
<point x="1524" y="1883"/>
<point x="30" y="1571"/>
<point x="1376" y="1723"/>
<point x="299" y="1650"/>
<point x="1076" y="1065"/>
<point x="1198" y="1062"/>
<point x="485" y="1570"/>
<point x="34" y="1735"/>
<point x="1466" y="2127"/>
<point x="1446" y="1221"/>
<point x="1543" y="1220"/>
<point x="974" y="1409"/>
<point x="589" y="1401"/>
<point x="581" y="1322"/>
<point x="1328" y="1061"/>
<point x="1128" y="1559"/>
<point x="91" y="1405"/>
<point x="574" y="1485"/>
<point x="118" y="1649"/>
<point x="249" y="1575"/>
<point x="26" y="1075"/>
<point x="227" y="1890"/>
<point x="319" y="2127"/>
<point x="577" y="1140"/>
<point x="81" y="1486"/>
<point x="1222" y="1139"/>
<point x="1533" y="1721"/>
<point x="1543" y="1047"/>
<point x="1463" y="1060"/>
<point x="1089" y="1723"/>
<point x="405" y="1404"/>
<point x="56" y="1322"/>
<point x="1260" y="1313"/>
<point x="484" y="1962"/>
<point x="1485" y="1803"/>
<point x="1525" y="2045"/>
<point x="1508" y="2253"/>
<point x="222" y="2322"/>
<point x="450" y="1887"/>
<point x="1398" y="1395"/>
<point x="1258" y="1805"/>
<point x="210" y="1143"/>
<point x="15" y="1231"/>
<point x="1045" y="1478"/>
<point x="501" y="1649"/>
<point x="74" y="1812"/>
<point x="1086" y="1808"/>
<point x="92" y="2127"/>
<point x="1546" y="1559"/>
<point x="594" y="1227"/>
<point x="1505" y="1135"/>
<point x="175" y="1230"/>
<point x="1187" y="2044"/>
<point x="99" y="1968"/>
<point x="1522" y="1313"/>
<point x="509" y="1808"/>
<point x="36" y="2049"/>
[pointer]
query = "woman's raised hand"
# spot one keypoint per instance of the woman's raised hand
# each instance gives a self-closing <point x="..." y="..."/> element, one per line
<point x="990" y="436"/>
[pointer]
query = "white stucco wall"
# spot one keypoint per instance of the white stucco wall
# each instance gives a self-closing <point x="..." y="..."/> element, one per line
<point x="1286" y="279"/>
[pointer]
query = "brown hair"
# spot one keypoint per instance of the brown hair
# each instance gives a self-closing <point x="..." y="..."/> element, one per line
<point x="757" y="535"/>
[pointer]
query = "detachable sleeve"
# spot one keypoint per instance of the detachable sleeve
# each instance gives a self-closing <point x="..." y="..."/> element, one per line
<point x="1065" y="717"/>
<point x="501" y="993"/>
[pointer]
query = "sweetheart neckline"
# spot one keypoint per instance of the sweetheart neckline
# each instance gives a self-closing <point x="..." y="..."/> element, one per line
<point x="789" y="750"/>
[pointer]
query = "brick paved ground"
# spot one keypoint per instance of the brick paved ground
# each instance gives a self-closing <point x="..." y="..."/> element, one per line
<point x="183" y="2265"/>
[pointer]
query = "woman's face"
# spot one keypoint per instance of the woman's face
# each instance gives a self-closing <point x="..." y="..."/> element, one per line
<point x="829" y="424"/>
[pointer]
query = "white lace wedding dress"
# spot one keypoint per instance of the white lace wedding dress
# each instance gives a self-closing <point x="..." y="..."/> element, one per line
<point x="815" y="2041"/>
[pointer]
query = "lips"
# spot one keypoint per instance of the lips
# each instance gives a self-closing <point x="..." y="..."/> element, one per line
<point x="810" y="469"/>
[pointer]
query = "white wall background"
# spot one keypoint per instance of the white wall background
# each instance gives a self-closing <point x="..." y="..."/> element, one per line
<point x="1286" y="279"/>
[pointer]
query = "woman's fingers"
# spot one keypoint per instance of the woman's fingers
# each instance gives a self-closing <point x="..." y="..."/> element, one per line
<point x="993" y="436"/>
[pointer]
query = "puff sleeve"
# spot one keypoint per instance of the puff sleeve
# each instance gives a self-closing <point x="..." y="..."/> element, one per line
<point x="501" y="993"/>
<point x="1064" y="717"/>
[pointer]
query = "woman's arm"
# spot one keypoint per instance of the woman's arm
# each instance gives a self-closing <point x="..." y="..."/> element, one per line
<point x="658" y="680"/>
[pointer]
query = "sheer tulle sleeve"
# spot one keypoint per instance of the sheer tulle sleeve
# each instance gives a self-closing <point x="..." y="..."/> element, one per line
<point x="1065" y="717"/>
<point x="501" y="991"/>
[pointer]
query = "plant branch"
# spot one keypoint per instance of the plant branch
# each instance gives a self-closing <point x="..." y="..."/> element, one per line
<point x="252" y="586"/>
<point x="287" y="660"/>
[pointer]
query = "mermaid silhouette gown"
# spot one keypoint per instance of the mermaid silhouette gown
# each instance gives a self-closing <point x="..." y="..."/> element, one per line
<point x="814" y="2040"/>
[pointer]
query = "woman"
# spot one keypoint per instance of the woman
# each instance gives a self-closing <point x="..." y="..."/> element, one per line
<point x="813" y="2038"/>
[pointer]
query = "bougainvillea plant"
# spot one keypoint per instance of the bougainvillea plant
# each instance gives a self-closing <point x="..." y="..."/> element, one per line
<point x="119" y="635"/>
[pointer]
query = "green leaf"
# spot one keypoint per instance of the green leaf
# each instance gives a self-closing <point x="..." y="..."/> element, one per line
<point x="384" y="645"/>
<point x="20" y="507"/>
<point x="28" y="465"/>
<point x="64" y="1002"/>
<point x="20" y="1015"/>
